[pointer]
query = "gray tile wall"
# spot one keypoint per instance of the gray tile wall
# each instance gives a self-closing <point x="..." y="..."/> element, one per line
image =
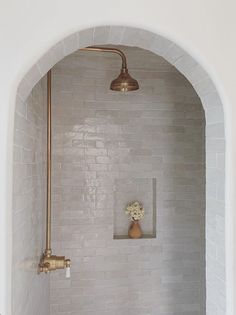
<point x="30" y="291"/>
<point x="215" y="124"/>
<point x="101" y="138"/>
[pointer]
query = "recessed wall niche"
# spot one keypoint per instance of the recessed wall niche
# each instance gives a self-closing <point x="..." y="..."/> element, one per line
<point x="128" y="190"/>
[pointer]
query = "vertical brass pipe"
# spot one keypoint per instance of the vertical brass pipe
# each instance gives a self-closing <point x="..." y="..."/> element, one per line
<point x="49" y="262"/>
<point x="48" y="250"/>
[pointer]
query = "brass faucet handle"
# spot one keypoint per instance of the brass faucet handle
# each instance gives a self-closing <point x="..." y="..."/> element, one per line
<point x="67" y="266"/>
<point x="67" y="263"/>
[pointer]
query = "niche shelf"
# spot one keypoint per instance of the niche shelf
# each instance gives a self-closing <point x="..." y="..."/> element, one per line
<point x="128" y="190"/>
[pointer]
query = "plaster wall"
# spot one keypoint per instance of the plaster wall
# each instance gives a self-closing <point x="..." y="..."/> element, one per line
<point x="107" y="149"/>
<point x="205" y="31"/>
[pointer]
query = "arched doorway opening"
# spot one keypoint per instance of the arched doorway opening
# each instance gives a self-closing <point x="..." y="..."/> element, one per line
<point x="215" y="139"/>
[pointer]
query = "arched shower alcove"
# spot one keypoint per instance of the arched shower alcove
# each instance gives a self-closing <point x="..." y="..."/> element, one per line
<point x="215" y="143"/>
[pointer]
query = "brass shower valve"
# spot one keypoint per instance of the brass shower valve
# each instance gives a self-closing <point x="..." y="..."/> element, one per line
<point x="50" y="262"/>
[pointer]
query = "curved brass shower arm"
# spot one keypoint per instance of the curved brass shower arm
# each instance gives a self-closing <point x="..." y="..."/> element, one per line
<point x="124" y="82"/>
<point x="108" y="49"/>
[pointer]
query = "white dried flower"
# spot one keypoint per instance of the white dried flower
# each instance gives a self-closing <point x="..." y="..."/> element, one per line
<point x="135" y="210"/>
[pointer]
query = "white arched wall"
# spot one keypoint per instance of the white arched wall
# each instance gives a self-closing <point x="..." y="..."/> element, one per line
<point x="215" y="136"/>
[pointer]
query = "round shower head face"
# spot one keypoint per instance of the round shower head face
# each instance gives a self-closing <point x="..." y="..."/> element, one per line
<point x="124" y="82"/>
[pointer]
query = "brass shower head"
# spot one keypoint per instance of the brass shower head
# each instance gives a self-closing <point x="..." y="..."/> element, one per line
<point x="124" y="82"/>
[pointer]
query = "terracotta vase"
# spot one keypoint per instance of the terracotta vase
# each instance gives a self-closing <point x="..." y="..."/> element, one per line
<point x="135" y="230"/>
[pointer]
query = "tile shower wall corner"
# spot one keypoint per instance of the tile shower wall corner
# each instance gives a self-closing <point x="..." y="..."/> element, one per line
<point x="30" y="290"/>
